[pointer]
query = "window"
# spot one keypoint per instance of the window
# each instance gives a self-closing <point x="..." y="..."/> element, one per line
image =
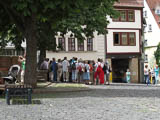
<point x="125" y="16"/>
<point x="116" y="39"/>
<point x="80" y="45"/>
<point x="145" y="14"/>
<point x="11" y="52"/>
<point x="131" y="16"/>
<point x="71" y="44"/>
<point x="146" y="58"/>
<point x="150" y="28"/>
<point x="124" y="39"/>
<point x="144" y="29"/>
<point x="89" y="44"/>
<point x="21" y="52"/>
<point x="145" y="43"/>
<point x="131" y="38"/>
<point x="61" y="44"/>
<point x="157" y="11"/>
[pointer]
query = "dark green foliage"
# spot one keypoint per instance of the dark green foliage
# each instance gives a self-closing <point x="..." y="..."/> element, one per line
<point x="157" y="55"/>
<point x="38" y="21"/>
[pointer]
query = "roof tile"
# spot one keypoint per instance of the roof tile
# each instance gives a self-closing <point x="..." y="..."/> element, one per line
<point x="130" y="3"/>
<point x="152" y="5"/>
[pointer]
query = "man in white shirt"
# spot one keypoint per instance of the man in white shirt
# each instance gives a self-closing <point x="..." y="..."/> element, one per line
<point x="44" y="65"/>
<point x="65" y="65"/>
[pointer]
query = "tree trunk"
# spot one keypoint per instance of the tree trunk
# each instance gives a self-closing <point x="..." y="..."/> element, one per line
<point x="31" y="54"/>
<point x="42" y="56"/>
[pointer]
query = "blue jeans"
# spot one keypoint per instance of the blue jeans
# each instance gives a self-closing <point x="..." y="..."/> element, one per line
<point x="156" y="79"/>
<point x="54" y="76"/>
<point x="74" y="75"/>
<point x="146" y="79"/>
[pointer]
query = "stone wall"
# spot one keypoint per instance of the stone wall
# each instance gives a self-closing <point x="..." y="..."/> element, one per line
<point x="134" y="68"/>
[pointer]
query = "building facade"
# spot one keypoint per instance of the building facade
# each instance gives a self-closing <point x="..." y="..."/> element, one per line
<point x="124" y="40"/>
<point x="121" y="46"/>
<point x="89" y="49"/>
<point x="152" y="30"/>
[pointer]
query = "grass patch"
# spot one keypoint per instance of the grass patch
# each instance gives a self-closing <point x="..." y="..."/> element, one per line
<point x="68" y="85"/>
<point x="24" y="102"/>
<point x="60" y="85"/>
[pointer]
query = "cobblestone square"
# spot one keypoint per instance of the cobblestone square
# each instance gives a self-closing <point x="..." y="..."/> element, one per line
<point x="102" y="102"/>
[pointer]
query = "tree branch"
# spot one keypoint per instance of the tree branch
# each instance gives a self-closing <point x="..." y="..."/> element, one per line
<point x="13" y="16"/>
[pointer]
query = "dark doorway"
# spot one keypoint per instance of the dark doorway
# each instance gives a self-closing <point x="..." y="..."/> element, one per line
<point x="119" y="68"/>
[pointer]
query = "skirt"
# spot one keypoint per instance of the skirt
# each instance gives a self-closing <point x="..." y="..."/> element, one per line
<point x="86" y="76"/>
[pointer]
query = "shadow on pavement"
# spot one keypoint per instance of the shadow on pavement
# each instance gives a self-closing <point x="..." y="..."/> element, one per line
<point x="106" y="93"/>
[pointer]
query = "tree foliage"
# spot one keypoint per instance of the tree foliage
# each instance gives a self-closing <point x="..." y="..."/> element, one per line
<point x="38" y="21"/>
<point x="157" y="54"/>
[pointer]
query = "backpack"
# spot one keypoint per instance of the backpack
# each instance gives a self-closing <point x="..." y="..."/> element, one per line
<point x="73" y="67"/>
<point x="91" y="68"/>
<point x="80" y="68"/>
<point x="104" y="69"/>
<point x="85" y="69"/>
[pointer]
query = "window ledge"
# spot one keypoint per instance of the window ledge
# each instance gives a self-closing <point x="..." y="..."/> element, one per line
<point x="74" y="51"/>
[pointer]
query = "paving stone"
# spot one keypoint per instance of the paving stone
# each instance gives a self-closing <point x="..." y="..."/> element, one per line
<point x="114" y="102"/>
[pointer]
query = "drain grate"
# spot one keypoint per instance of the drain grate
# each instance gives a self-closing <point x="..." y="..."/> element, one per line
<point x="23" y="102"/>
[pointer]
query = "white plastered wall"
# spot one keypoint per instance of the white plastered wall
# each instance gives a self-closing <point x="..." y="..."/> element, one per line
<point x="121" y="49"/>
<point x="98" y="50"/>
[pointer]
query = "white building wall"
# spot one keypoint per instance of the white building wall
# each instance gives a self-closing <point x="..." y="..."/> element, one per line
<point x="121" y="49"/>
<point x="98" y="50"/>
<point x="151" y="58"/>
<point x="137" y="24"/>
<point x="153" y="36"/>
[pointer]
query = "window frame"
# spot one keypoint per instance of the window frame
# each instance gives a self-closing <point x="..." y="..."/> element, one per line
<point x="89" y="44"/>
<point x="145" y="58"/>
<point x="62" y="39"/>
<point x="11" y="52"/>
<point x="127" y="16"/>
<point x="134" y="39"/>
<point x="150" y="28"/>
<point x="120" y="38"/>
<point x="145" y="43"/>
<point x="114" y="39"/>
<point x="80" y="45"/>
<point x="133" y="16"/>
<point x="71" y="46"/>
<point x="145" y="14"/>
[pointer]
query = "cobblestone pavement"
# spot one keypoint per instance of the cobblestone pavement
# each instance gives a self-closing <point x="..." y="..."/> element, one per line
<point x="113" y="102"/>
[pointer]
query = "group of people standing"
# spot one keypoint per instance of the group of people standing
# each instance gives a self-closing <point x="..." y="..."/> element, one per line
<point x="77" y="70"/>
<point x="151" y="74"/>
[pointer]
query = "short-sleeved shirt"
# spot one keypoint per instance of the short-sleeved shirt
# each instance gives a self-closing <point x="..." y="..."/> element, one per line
<point x="156" y="71"/>
<point x="44" y="65"/>
<point x="146" y="71"/>
<point x="65" y="65"/>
